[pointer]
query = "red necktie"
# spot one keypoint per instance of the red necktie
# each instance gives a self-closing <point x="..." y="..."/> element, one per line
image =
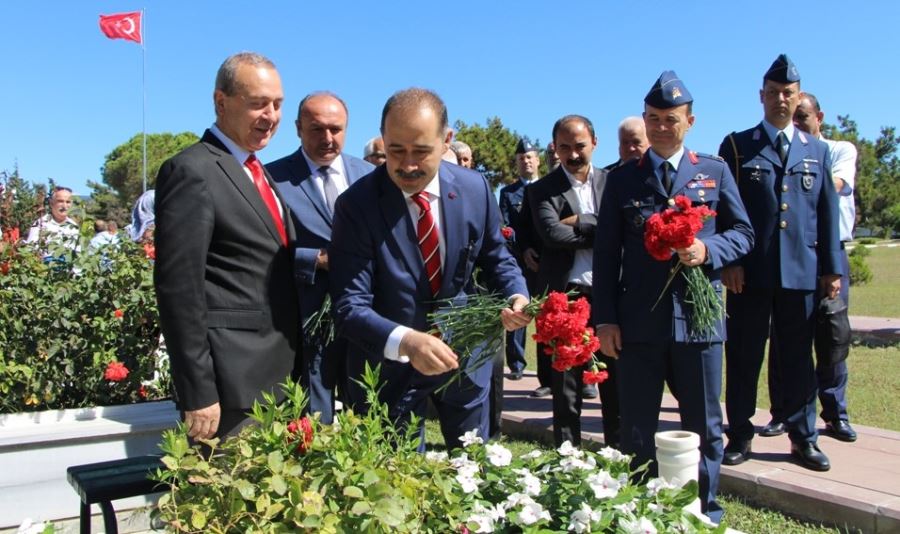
<point x="428" y="242"/>
<point x="265" y="191"/>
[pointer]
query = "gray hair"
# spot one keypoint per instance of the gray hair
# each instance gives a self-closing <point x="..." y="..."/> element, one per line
<point x="459" y="146"/>
<point x="630" y="122"/>
<point x="369" y="149"/>
<point x="226" y="77"/>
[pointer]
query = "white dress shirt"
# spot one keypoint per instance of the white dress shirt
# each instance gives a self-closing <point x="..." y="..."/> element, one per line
<point x="582" y="265"/>
<point x="843" y="166"/>
<point x="336" y="173"/>
<point x="241" y="156"/>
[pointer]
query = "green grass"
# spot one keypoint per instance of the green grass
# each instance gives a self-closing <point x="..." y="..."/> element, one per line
<point x="881" y="296"/>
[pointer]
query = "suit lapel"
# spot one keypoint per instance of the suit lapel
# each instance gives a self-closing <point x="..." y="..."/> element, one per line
<point x="764" y="146"/>
<point x="396" y="216"/>
<point x="452" y="214"/>
<point x="307" y="184"/>
<point x="686" y="172"/>
<point x="235" y="173"/>
<point x="645" y="165"/>
<point x="566" y="191"/>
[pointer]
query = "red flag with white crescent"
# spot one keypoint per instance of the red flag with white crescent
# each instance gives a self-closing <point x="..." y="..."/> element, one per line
<point x="122" y="26"/>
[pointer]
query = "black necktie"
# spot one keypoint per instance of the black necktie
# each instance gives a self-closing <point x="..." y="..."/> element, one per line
<point x="781" y="147"/>
<point x="666" y="177"/>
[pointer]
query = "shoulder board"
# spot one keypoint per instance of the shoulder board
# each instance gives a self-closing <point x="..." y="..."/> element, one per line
<point x="707" y="156"/>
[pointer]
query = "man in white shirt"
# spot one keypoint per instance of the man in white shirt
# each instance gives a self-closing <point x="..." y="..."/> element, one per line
<point x="56" y="229"/>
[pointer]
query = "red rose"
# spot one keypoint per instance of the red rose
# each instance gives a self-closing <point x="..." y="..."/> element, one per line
<point x="115" y="372"/>
<point x="150" y="250"/>
<point x="11" y="235"/>
<point x="595" y="377"/>
<point x="119" y="313"/>
<point x="507" y="232"/>
<point x="4" y="267"/>
<point x="301" y="430"/>
<point x="142" y="392"/>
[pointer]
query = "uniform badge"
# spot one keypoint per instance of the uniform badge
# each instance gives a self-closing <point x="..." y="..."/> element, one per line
<point x="638" y="220"/>
<point x="756" y="135"/>
<point x="701" y="176"/>
<point x="807" y="181"/>
<point x="756" y="174"/>
<point x="676" y="92"/>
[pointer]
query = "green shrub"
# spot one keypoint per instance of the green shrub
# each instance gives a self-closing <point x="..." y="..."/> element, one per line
<point x="860" y="273"/>
<point x="865" y="241"/>
<point x="288" y="474"/>
<point x="68" y="325"/>
<point x="861" y="251"/>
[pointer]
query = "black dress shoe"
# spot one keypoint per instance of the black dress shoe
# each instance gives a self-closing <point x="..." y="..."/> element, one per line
<point x="810" y="457"/>
<point x="589" y="391"/>
<point x="774" y="428"/>
<point x="542" y="391"/>
<point x="516" y="375"/>
<point x="841" y="430"/>
<point x="736" y="452"/>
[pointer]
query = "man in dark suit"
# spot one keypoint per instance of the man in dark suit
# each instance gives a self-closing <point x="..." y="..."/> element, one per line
<point x="224" y="276"/>
<point x="516" y="215"/>
<point x="656" y="344"/>
<point x="310" y="180"/>
<point x="410" y="233"/>
<point x="564" y="210"/>
<point x="784" y="176"/>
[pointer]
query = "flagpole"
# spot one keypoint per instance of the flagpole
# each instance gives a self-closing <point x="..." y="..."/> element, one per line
<point x="144" y="94"/>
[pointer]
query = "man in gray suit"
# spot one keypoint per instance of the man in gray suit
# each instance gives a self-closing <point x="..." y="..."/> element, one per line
<point x="223" y="275"/>
<point x="310" y="180"/>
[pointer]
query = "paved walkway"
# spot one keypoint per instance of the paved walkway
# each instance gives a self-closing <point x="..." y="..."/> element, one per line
<point x="877" y="330"/>
<point x="861" y="491"/>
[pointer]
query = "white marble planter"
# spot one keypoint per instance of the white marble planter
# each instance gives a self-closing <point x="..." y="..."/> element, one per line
<point x="36" y="448"/>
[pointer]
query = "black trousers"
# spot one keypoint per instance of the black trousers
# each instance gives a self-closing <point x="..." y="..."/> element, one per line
<point x="567" y="402"/>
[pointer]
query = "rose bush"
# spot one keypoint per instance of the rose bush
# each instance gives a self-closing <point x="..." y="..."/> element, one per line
<point x="79" y="330"/>
<point x="362" y="474"/>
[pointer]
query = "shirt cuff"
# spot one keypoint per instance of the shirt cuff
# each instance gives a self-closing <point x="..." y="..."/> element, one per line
<point x="392" y="347"/>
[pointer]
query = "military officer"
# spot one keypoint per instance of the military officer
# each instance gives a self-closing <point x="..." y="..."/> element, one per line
<point x="651" y="343"/>
<point x="784" y="177"/>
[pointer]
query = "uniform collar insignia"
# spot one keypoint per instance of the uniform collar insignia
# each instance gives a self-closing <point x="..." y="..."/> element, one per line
<point x="756" y="134"/>
<point x="802" y="137"/>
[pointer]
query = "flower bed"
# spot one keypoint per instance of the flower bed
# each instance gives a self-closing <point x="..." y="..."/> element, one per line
<point x="362" y="474"/>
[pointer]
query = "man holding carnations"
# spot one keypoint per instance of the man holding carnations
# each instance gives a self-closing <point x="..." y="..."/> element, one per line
<point x="643" y="308"/>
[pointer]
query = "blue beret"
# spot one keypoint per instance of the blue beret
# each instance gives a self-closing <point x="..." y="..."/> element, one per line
<point x="524" y="146"/>
<point x="668" y="92"/>
<point x="782" y="70"/>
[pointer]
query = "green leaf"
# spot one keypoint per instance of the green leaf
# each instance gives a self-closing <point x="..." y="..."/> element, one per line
<point x="353" y="492"/>
<point x="279" y="486"/>
<point x="198" y="519"/>
<point x="246" y="489"/>
<point x="246" y="450"/>
<point x="276" y="461"/>
<point x="360" y="508"/>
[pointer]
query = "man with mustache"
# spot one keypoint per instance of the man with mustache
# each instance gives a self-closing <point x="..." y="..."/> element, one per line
<point x="564" y="206"/>
<point x="784" y="177"/>
<point x="224" y="271"/>
<point x="310" y="181"/>
<point x="56" y="229"/>
<point x="407" y="235"/>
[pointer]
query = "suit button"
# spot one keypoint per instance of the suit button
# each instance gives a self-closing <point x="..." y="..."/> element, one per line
<point x="671" y="202"/>
<point x="701" y="193"/>
<point x="784" y="206"/>
<point x="784" y="188"/>
<point x="783" y="224"/>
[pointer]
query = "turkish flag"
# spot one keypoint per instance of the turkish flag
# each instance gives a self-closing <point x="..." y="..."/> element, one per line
<point x="122" y="26"/>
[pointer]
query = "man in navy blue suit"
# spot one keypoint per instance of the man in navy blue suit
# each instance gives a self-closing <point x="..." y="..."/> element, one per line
<point x="650" y="343"/>
<point x="404" y="236"/>
<point x="310" y="180"/>
<point x="784" y="177"/>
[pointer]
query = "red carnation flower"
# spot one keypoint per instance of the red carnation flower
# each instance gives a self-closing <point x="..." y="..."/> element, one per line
<point x="562" y="326"/>
<point x="301" y="430"/>
<point x="4" y="267"/>
<point x="595" y="377"/>
<point x="142" y="392"/>
<point x="115" y="372"/>
<point x="507" y="232"/>
<point x="150" y="250"/>
<point x="119" y="313"/>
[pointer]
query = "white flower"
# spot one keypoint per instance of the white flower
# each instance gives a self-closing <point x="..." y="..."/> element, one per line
<point x="498" y="455"/>
<point x="581" y="520"/>
<point x="30" y="527"/>
<point x="656" y="508"/>
<point x="531" y="513"/>
<point x="638" y="526"/>
<point x="604" y="486"/>
<point x="468" y="483"/>
<point x="533" y="455"/>
<point x="627" y="508"/>
<point x="486" y="518"/>
<point x="471" y="438"/>
<point x="654" y="486"/>
<point x="567" y="449"/>
<point x="515" y="499"/>
<point x="531" y="485"/>
<point x="436" y="456"/>
<point x="613" y="455"/>
<point x="572" y="463"/>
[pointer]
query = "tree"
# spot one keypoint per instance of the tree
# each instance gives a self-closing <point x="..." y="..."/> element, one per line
<point x="493" y="149"/>
<point x="21" y="202"/>
<point x="122" y="170"/>
<point x="877" y="190"/>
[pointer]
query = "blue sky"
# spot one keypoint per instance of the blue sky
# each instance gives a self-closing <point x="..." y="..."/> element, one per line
<point x="70" y="95"/>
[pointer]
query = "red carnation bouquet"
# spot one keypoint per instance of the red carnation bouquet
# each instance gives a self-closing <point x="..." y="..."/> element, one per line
<point x="676" y="228"/>
<point x="562" y="327"/>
